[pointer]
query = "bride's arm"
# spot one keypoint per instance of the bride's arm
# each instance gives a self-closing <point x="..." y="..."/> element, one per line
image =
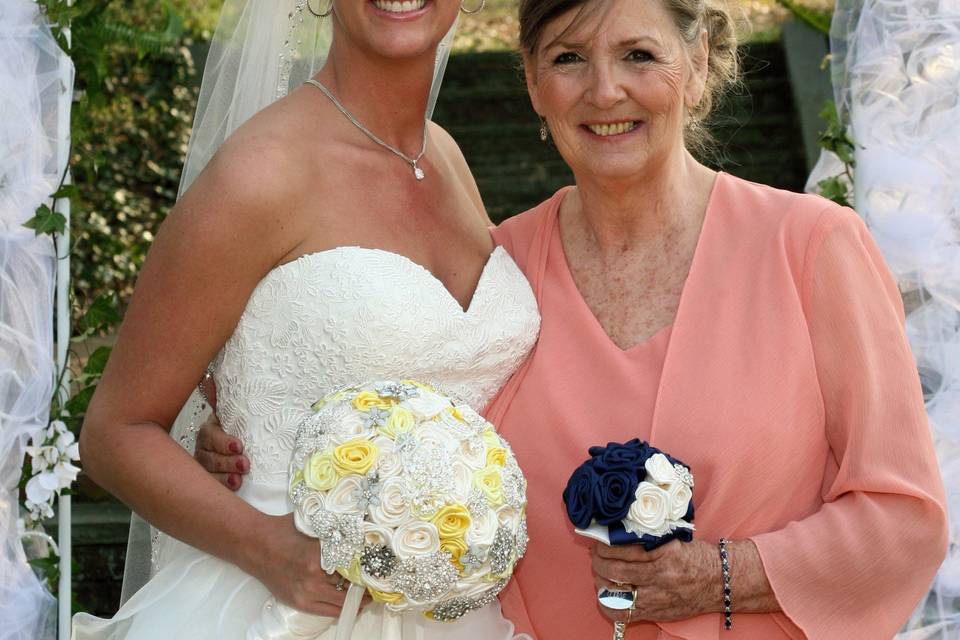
<point x="231" y="228"/>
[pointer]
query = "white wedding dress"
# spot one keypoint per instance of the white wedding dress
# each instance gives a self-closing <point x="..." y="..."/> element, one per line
<point x="324" y="321"/>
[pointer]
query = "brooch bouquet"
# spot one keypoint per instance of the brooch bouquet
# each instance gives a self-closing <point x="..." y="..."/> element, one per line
<point x="414" y="499"/>
<point x="631" y="493"/>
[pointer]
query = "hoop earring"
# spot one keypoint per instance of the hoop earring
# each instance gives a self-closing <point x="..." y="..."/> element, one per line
<point x="320" y="15"/>
<point x="544" y="132"/>
<point x="483" y="3"/>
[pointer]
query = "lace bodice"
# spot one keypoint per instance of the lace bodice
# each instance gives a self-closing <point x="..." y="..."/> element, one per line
<point x="351" y="315"/>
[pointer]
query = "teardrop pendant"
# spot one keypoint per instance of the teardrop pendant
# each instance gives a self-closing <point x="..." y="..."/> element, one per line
<point x="418" y="172"/>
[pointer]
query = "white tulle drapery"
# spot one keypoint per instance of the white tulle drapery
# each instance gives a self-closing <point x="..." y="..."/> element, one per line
<point x="896" y="76"/>
<point x="30" y="95"/>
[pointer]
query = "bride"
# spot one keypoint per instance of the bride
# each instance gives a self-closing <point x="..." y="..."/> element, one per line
<point x="334" y="237"/>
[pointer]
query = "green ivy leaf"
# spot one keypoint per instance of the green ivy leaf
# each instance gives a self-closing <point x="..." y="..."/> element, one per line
<point x="835" y="189"/>
<point x="46" y="221"/>
<point x="97" y="361"/>
<point x="103" y="313"/>
<point x="66" y="191"/>
<point x="77" y="405"/>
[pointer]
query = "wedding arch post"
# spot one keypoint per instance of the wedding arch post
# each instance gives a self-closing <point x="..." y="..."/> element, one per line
<point x="62" y="340"/>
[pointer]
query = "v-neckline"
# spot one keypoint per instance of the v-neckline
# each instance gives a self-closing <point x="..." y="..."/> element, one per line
<point x="447" y="294"/>
<point x="567" y="275"/>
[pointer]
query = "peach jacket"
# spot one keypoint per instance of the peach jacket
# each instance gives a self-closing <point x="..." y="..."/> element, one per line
<point x="789" y="387"/>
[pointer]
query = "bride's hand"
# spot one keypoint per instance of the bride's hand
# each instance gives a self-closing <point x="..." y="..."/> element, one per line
<point x="288" y="564"/>
<point x="221" y="454"/>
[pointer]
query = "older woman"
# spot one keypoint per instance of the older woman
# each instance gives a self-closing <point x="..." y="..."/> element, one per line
<point x="752" y="332"/>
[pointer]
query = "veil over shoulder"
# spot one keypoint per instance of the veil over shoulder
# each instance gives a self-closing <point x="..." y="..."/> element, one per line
<point x="260" y="50"/>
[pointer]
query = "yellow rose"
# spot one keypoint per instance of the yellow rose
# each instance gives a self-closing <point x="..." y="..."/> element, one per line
<point x="490" y="483"/>
<point x="355" y="456"/>
<point x="456" y="547"/>
<point x="491" y="439"/>
<point x="400" y="421"/>
<point x="457" y="415"/>
<point x="419" y="385"/>
<point x="497" y="456"/>
<point x="320" y="474"/>
<point x="366" y="400"/>
<point x="452" y="521"/>
<point x="385" y="596"/>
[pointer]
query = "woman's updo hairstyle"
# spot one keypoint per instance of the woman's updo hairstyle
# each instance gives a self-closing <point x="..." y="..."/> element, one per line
<point x="690" y="16"/>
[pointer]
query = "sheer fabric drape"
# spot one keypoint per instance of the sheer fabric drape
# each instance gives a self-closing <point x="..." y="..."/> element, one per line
<point x="30" y="122"/>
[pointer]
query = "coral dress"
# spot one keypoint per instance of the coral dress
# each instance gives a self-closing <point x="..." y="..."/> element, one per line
<point x="785" y="381"/>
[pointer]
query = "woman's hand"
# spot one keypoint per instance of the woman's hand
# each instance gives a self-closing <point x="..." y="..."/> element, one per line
<point x="673" y="582"/>
<point x="288" y="564"/>
<point x="221" y="454"/>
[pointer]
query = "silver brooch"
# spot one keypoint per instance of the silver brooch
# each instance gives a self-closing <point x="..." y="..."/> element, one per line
<point x="399" y="390"/>
<point x="455" y="608"/>
<point x="501" y="551"/>
<point x="425" y="578"/>
<point x="378" y="561"/>
<point x="684" y="474"/>
<point x="341" y="537"/>
<point x="375" y="417"/>
<point x="368" y="493"/>
<point x="473" y="559"/>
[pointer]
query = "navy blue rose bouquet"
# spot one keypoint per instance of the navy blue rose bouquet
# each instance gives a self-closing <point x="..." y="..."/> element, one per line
<point x="631" y="493"/>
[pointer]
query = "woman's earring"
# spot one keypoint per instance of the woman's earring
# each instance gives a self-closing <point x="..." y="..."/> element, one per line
<point x="323" y="14"/>
<point x="544" y="132"/>
<point x="483" y="3"/>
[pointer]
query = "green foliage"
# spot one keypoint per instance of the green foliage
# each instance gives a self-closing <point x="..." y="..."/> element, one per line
<point x="836" y="139"/>
<point x="134" y="90"/>
<point x="819" y="20"/>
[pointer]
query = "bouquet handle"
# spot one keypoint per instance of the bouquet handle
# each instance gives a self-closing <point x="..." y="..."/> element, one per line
<point x="348" y="614"/>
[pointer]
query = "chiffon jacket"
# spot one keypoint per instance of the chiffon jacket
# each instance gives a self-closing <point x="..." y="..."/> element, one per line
<point x="789" y="387"/>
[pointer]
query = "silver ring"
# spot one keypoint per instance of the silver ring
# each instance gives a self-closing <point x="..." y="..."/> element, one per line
<point x="621" y="598"/>
<point x="341" y="584"/>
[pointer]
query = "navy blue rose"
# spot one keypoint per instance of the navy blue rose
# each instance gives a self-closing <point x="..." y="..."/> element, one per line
<point x="628" y="456"/>
<point x="581" y="494"/>
<point x="617" y="488"/>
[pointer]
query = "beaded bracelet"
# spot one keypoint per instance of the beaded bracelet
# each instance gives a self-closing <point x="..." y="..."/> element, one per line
<point x="727" y="597"/>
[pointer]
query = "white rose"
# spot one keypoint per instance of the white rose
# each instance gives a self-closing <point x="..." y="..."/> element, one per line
<point x="462" y="479"/>
<point x="346" y="424"/>
<point x="309" y="506"/>
<point x="649" y="511"/>
<point x="680" y="496"/>
<point x="660" y="470"/>
<point x="473" y="451"/>
<point x="342" y="498"/>
<point x="393" y="509"/>
<point x="375" y="534"/>
<point x="389" y="462"/>
<point x="483" y="529"/>
<point x="427" y="404"/>
<point x="508" y="517"/>
<point x="415" y="538"/>
<point x="437" y="436"/>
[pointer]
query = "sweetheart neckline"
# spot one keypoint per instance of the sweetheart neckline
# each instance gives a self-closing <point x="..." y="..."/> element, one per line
<point x="497" y="250"/>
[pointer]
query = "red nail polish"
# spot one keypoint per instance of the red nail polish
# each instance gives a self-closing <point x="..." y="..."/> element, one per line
<point x="232" y="481"/>
<point x="240" y="466"/>
<point x="234" y="447"/>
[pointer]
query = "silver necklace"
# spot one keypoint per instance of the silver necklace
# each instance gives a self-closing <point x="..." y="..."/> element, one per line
<point x="417" y="171"/>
